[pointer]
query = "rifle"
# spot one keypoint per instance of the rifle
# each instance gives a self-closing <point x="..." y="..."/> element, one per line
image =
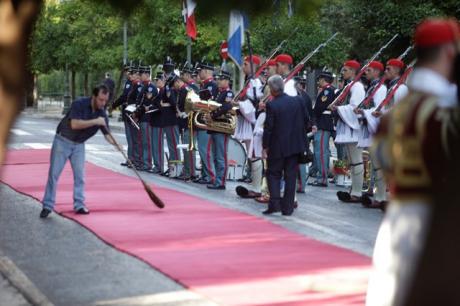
<point x="244" y="89"/>
<point x="301" y="64"/>
<point x="367" y="100"/>
<point x="347" y="88"/>
<point x="401" y="80"/>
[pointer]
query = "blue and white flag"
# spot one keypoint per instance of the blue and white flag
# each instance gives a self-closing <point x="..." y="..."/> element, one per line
<point x="235" y="40"/>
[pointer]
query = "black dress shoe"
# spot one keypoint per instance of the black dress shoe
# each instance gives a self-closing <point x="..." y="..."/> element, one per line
<point x="215" y="187"/>
<point x="124" y="164"/>
<point x="270" y="211"/>
<point x="284" y="213"/>
<point x="202" y="181"/>
<point x="318" y="184"/>
<point x="82" y="211"/>
<point x="45" y="213"/>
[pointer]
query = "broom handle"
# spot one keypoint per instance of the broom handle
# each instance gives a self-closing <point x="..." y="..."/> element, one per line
<point x="124" y="155"/>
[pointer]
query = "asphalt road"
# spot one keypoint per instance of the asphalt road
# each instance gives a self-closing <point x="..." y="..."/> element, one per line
<point x="42" y="251"/>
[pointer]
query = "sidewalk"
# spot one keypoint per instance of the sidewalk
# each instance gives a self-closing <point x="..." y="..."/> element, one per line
<point x="56" y="114"/>
<point x="9" y="295"/>
<point x="15" y="287"/>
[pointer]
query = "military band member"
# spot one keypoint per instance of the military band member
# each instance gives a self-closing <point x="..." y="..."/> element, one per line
<point x="168" y="112"/>
<point x="157" y="127"/>
<point x="416" y="253"/>
<point x="145" y="103"/>
<point x="136" y="131"/>
<point x="182" y="88"/>
<point x="187" y="77"/>
<point x="168" y="67"/>
<point x="219" y="140"/>
<point x="323" y="126"/>
<point x="348" y="130"/>
<point x="208" y="91"/>
<point x="122" y="102"/>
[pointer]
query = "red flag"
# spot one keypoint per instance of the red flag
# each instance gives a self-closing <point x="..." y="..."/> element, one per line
<point x="190" y="18"/>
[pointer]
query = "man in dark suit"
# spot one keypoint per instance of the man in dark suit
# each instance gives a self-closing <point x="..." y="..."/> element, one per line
<point x="283" y="142"/>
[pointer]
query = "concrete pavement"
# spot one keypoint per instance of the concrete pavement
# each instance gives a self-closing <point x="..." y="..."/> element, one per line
<point x="71" y="266"/>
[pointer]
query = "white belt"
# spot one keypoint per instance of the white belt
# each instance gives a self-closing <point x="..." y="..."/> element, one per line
<point x="165" y="104"/>
<point x="327" y="112"/>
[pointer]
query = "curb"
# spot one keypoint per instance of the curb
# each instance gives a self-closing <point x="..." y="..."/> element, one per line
<point x="22" y="283"/>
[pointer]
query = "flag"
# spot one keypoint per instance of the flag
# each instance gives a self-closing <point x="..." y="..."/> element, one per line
<point x="236" y="36"/>
<point x="290" y="9"/>
<point x="189" y="17"/>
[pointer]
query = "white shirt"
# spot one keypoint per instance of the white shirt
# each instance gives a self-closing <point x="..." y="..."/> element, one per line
<point x="400" y="93"/>
<point x="380" y="95"/>
<point x="289" y="88"/>
<point x="258" y="85"/>
<point x="357" y="94"/>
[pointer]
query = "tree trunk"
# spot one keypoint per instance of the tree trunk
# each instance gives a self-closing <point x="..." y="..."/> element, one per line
<point x="72" y="84"/>
<point x="85" y="85"/>
<point x="29" y="84"/>
<point x="35" y="92"/>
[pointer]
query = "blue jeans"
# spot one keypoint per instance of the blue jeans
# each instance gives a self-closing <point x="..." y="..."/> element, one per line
<point x="62" y="150"/>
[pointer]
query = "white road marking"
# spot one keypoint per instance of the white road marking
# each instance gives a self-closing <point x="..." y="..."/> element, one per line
<point x="36" y="145"/>
<point x="20" y="132"/>
<point x="49" y="131"/>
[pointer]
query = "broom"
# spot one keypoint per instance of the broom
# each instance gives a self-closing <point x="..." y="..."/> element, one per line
<point x="155" y="199"/>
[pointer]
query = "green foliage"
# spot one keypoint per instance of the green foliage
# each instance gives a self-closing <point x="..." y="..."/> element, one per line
<point x="369" y="24"/>
<point x="86" y="36"/>
<point x="304" y="35"/>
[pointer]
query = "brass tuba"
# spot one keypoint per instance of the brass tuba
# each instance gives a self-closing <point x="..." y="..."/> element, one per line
<point x="199" y="110"/>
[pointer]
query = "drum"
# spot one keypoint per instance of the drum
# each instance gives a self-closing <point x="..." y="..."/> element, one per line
<point x="236" y="160"/>
<point x="175" y="168"/>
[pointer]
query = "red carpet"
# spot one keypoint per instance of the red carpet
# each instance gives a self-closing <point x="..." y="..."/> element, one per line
<point x="230" y="257"/>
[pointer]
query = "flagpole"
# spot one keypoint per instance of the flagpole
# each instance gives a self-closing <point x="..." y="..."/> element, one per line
<point x="189" y="50"/>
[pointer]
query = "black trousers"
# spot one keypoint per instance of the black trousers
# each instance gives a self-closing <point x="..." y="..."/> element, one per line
<point x="276" y="167"/>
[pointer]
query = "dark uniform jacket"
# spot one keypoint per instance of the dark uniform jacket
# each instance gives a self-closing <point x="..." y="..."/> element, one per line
<point x="285" y="127"/>
<point x="122" y="101"/>
<point x="193" y="85"/>
<point x="182" y="94"/>
<point x="209" y="89"/>
<point x="322" y="117"/>
<point x="224" y="97"/>
<point x="145" y="98"/>
<point x="168" y="111"/>
<point x="305" y="98"/>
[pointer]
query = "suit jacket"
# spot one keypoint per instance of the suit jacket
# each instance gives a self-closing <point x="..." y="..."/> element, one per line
<point x="285" y="127"/>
